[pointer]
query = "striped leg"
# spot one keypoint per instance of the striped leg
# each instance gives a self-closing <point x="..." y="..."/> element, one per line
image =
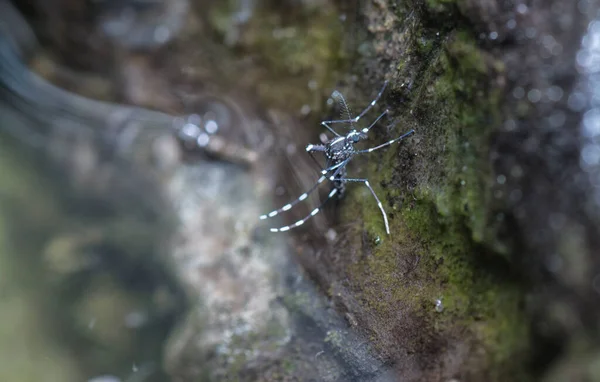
<point x="339" y="165"/>
<point x="366" y="182"/>
<point x="386" y="144"/>
<point x="324" y="123"/>
<point x="366" y="129"/>
<point x="338" y="168"/>
<point x="362" y="114"/>
<point x="313" y="213"/>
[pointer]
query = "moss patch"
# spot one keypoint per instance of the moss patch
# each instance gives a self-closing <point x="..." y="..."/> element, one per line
<point x="436" y="188"/>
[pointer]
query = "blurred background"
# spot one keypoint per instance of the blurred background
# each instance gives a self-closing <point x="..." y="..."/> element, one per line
<point x="140" y="140"/>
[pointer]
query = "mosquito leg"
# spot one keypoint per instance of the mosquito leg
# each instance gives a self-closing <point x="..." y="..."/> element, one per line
<point x="386" y="144"/>
<point x="338" y="168"/>
<point x="366" y="182"/>
<point x="303" y="220"/>
<point x="366" y="129"/>
<point x="342" y="163"/>
<point x="329" y="128"/>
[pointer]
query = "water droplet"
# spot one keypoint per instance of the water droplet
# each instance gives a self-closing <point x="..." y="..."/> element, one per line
<point x="516" y="195"/>
<point x="290" y="149"/>
<point x="161" y="34"/>
<point x="439" y="306"/>
<point x="576" y="101"/>
<point x="534" y="95"/>
<point x="530" y="32"/>
<point x="211" y="126"/>
<point x="516" y="171"/>
<point x="590" y="154"/>
<point x="510" y="125"/>
<point x="548" y="42"/>
<point x="554" y="263"/>
<point x="591" y="123"/>
<point x="522" y="9"/>
<point x="203" y="140"/>
<point x="501" y="179"/>
<point x="331" y="234"/>
<point x="554" y="93"/>
<point x="135" y="320"/>
<point x="189" y="131"/>
<point x="194" y="119"/>
<point x="557" y="119"/>
<point x="518" y="92"/>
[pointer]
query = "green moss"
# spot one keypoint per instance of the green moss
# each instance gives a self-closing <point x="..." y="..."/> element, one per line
<point x="468" y="115"/>
<point x="477" y="288"/>
<point x="478" y="297"/>
<point x="442" y="244"/>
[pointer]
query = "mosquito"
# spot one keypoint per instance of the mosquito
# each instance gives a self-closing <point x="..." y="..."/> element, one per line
<point x="338" y="152"/>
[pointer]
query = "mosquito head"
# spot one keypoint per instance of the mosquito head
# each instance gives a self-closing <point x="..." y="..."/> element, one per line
<point x="356" y="136"/>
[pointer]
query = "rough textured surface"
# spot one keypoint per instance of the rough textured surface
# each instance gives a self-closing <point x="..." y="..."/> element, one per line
<point x="489" y="273"/>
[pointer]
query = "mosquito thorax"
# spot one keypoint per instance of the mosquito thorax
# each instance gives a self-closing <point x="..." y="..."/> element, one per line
<point x="354" y="136"/>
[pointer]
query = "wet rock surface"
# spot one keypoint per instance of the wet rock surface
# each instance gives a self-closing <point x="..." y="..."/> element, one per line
<point x="141" y="206"/>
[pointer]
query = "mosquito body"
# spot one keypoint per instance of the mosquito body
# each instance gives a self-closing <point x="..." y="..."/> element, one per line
<point x="338" y="152"/>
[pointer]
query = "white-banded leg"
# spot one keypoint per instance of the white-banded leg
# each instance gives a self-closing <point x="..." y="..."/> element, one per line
<point x="362" y="114"/>
<point x="366" y="182"/>
<point x="387" y="143"/>
<point x="366" y="129"/>
<point x="335" y="166"/>
<point x="338" y="168"/>
<point x="324" y="123"/>
<point x="303" y="220"/>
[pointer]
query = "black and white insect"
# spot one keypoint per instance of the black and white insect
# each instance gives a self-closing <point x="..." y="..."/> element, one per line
<point x="338" y="152"/>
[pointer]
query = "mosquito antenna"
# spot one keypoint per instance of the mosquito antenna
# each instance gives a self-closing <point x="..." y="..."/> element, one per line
<point x="339" y="97"/>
